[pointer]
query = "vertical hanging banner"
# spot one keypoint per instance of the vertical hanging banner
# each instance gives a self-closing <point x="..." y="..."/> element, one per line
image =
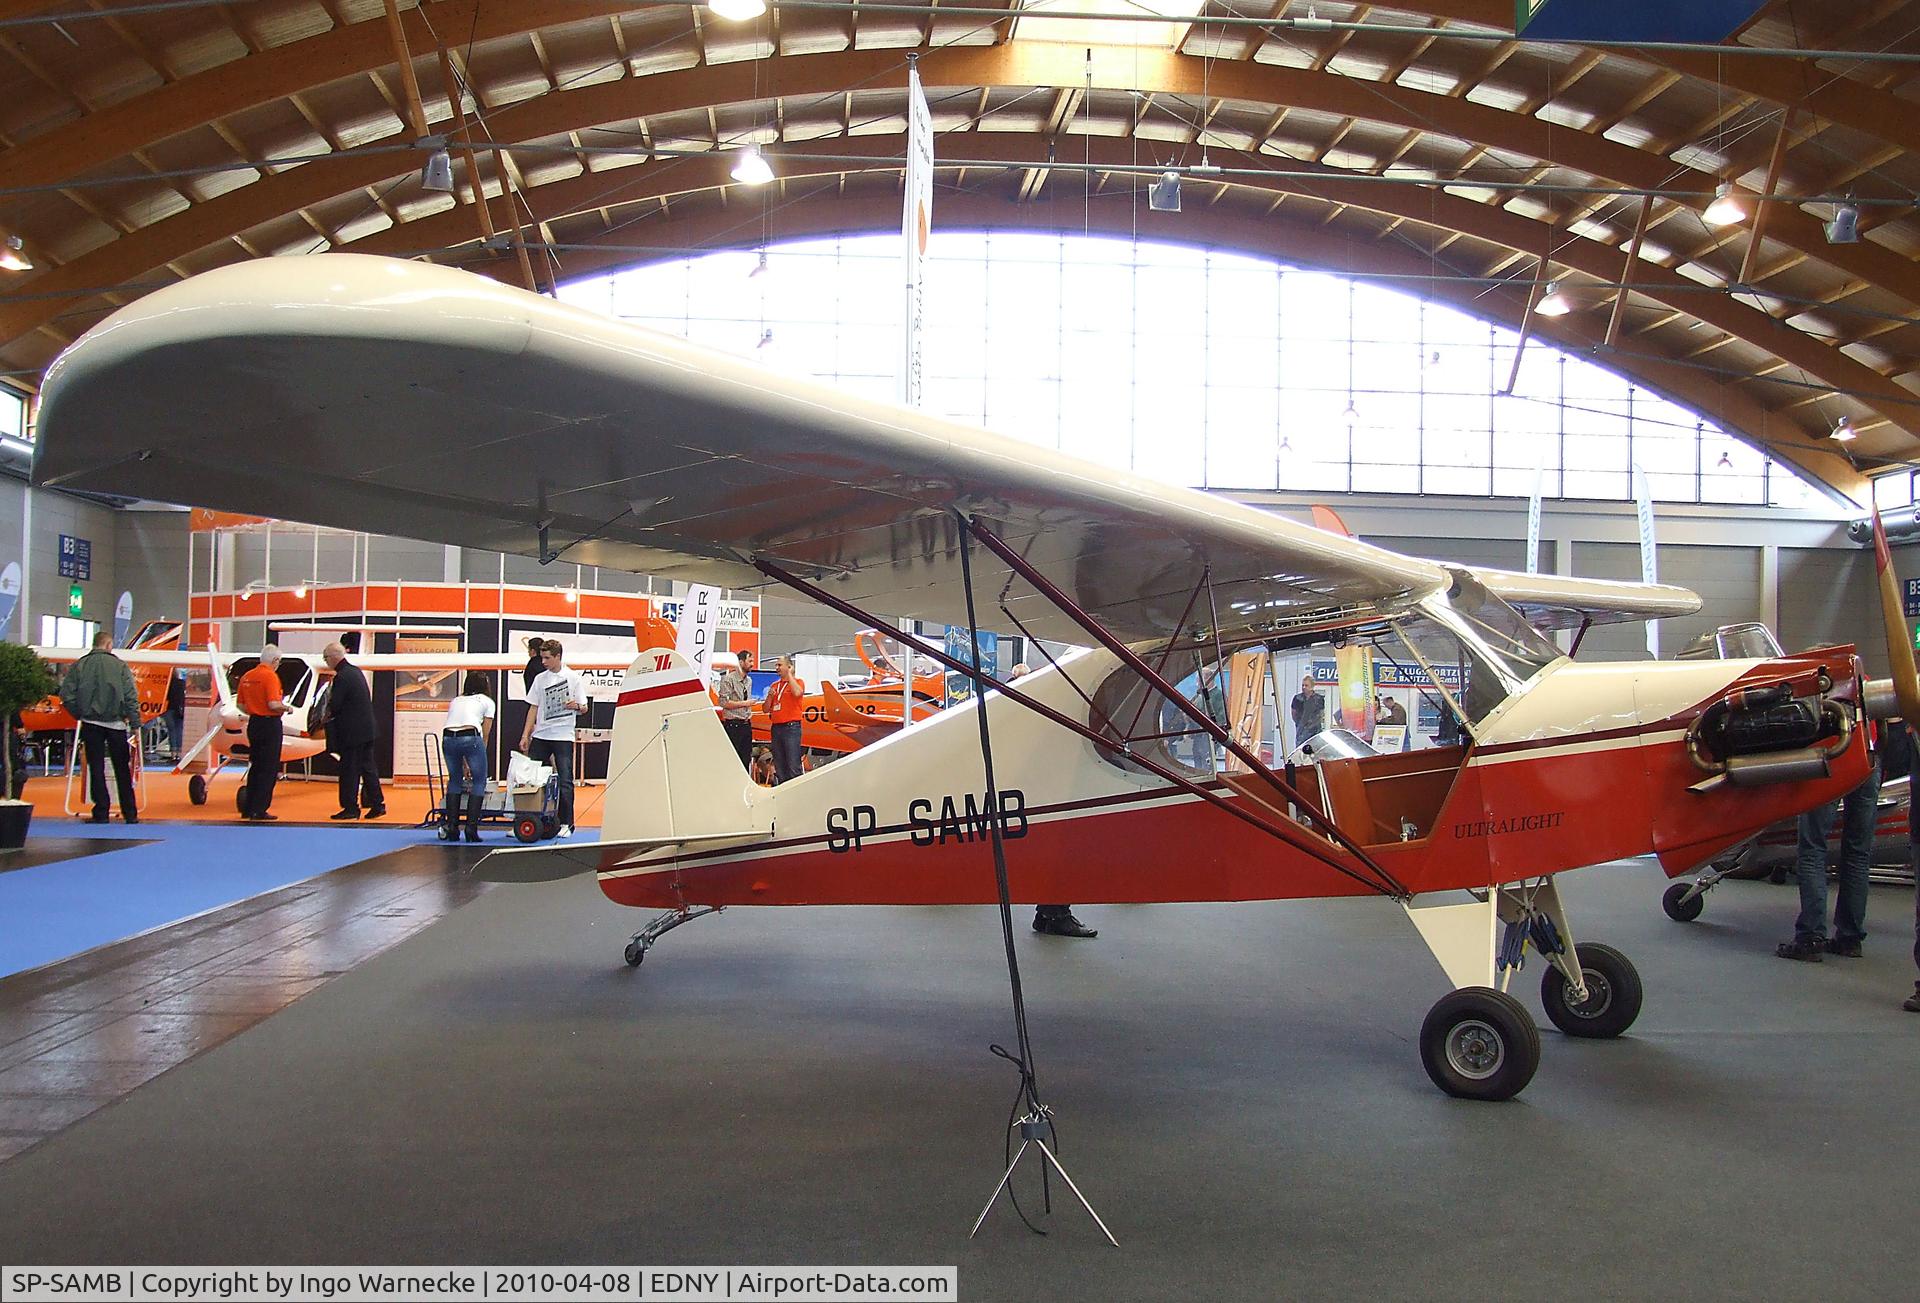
<point x="1533" y="521"/>
<point x="915" y="223"/>
<point x="1649" y="564"/>
<point x="699" y="622"/>
<point x="9" y="596"/>
<point x="122" y="619"/>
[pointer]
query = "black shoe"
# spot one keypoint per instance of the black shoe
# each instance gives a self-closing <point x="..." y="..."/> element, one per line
<point x="1845" y="949"/>
<point x="1807" y="952"/>
<point x="377" y="812"/>
<point x="131" y="818"/>
<point x="344" y="814"/>
<point x="1913" y="1003"/>
<point x="473" y="835"/>
<point x="98" y="818"/>
<point x="261" y="818"/>
<point x="1064" y="925"/>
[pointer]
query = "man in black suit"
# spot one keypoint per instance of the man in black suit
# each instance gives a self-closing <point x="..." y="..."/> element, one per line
<point x="350" y="736"/>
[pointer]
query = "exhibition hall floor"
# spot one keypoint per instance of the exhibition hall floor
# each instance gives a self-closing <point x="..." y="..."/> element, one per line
<point x="1237" y="1086"/>
<point x="295" y="800"/>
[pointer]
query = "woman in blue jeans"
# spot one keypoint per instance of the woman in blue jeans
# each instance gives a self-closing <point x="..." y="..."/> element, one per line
<point x="463" y="741"/>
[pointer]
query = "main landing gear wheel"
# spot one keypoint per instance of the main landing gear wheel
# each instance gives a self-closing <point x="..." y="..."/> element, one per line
<point x="197" y="789"/>
<point x="1479" y="1043"/>
<point x="1679" y="906"/>
<point x="635" y="953"/>
<point x="1613" y="994"/>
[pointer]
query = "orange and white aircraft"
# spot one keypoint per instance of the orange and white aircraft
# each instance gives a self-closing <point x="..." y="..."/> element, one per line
<point x="149" y="677"/>
<point x="1096" y="779"/>
<point x="843" y="719"/>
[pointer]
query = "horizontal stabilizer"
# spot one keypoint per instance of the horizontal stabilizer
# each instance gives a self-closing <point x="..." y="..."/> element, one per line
<point x="551" y="863"/>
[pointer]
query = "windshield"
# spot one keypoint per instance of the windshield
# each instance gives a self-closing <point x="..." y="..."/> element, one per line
<point x="1493" y="647"/>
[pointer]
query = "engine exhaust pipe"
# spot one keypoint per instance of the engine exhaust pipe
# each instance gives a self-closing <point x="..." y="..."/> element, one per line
<point x="1787" y="767"/>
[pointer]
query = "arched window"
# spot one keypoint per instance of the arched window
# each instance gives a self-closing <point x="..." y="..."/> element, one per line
<point x="1203" y="367"/>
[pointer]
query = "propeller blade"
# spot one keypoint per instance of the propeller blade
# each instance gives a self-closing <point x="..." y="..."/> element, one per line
<point x="1906" y="681"/>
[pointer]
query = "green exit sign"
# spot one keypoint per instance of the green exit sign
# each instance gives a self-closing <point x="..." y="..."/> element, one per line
<point x="76" y="600"/>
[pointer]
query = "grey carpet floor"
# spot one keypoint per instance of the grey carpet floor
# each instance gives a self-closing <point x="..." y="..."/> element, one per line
<point x="1238" y="1090"/>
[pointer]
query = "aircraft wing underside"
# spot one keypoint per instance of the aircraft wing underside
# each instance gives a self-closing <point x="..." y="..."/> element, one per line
<point x="405" y="398"/>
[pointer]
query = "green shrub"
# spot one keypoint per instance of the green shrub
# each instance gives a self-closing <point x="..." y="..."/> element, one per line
<point x="25" y="680"/>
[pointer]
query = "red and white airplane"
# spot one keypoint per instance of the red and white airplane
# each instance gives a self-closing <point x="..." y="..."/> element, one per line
<point x="360" y="387"/>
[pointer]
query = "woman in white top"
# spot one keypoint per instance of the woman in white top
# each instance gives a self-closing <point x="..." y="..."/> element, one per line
<point x="463" y="741"/>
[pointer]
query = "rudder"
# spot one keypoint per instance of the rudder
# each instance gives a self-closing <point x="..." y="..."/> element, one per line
<point x="672" y="771"/>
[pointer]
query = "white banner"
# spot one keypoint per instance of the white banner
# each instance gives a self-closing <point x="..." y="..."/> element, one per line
<point x="734" y="615"/>
<point x="1649" y="563"/>
<point x="720" y="1284"/>
<point x="694" y="631"/>
<point x="915" y="224"/>
<point x="601" y="685"/>
<point x="1533" y="521"/>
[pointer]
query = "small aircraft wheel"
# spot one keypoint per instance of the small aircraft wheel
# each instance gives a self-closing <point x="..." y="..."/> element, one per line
<point x="1613" y="994"/>
<point x="527" y="828"/>
<point x="635" y="953"/>
<point x="549" y="825"/>
<point x="1679" y="908"/>
<point x="197" y="789"/>
<point x="1479" y="1043"/>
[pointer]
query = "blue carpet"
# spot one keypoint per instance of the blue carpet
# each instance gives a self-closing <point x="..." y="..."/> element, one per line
<point x="55" y="910"/>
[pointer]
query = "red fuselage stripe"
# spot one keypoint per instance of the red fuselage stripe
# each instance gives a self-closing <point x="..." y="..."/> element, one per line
<point x="633" y="696"/>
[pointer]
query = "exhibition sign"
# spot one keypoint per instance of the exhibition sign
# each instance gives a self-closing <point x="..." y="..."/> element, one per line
<point x="420" y="699"/>
<point x="76" y="558"/>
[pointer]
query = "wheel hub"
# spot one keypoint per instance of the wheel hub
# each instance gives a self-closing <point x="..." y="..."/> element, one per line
<point x="1475" y="1049"/>
<point x="1599" y="996"/>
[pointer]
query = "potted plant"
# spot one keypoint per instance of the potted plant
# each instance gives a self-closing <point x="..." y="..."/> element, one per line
<point x="25" y="680"/>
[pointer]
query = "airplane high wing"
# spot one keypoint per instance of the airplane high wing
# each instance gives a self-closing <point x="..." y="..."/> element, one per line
<point x="393" y="396"/>
<point x="403" y="397"/>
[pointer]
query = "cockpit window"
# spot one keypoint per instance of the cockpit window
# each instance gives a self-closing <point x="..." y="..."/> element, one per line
<point x="1496" y="650"/>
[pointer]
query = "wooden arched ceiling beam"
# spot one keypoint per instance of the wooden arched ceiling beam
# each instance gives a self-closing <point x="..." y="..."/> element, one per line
<point x="703" y="225"/>
<point x="558" y="200"/>
<point x="99" y="138"/>
<point x="1850" y="103"/>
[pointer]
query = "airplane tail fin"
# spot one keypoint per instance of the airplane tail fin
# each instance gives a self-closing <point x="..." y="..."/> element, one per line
<point x="673" y="774"/>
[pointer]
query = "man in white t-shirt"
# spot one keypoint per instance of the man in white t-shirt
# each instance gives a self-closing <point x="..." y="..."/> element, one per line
<point x="555" y="701"/>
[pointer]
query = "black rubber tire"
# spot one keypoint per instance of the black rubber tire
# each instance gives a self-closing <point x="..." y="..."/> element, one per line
<point x="197" y="789"/>
<point x="527" y="828"/>
<point x="1614" y="994"/>
<point x="549" y="825"/>
<point x="635" y="954"/>
<point x="1680" y="909"/>
<point x="1479" y="1043"/>
<point x="240" y="796"/>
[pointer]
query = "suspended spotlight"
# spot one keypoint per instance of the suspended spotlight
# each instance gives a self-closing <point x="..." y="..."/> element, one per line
<point x="1844" y="226"/>
<point x="1726" y="208"/>
<point x="1553" y="303"/>
<point x="1351" y="416"/>
<point x="1725" y="463"/>
<point x="300" y="591"/>
<point x="1164" y="195"/>
<point x="438" y="173"/>
<point x="13" y="254"/>
<point x="573" y="596"/>
<point x="752" y="168"/>
<point x="1843" y="430"/>
<point x="759" y="267"/>
<point x="766" y="338"/>
<point x="737" y="10"/>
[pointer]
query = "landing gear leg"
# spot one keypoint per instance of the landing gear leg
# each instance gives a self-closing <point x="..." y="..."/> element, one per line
<point x="643" y="940"/>
<point x="1592" y="991"/>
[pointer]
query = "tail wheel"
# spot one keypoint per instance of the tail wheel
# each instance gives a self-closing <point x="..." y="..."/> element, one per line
<point x="527" y="828"/>
<point x="1479" y="1043"/>
<point x="1613" y="994"/>
<point x="197" y="789"/>
<point x="1679" y="908"/>
<point x="635" y="953"/>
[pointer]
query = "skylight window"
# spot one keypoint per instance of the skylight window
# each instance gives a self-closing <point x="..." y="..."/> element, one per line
<point x="1033" y="26"/>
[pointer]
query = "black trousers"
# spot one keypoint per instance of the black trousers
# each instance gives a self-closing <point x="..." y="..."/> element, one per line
<point x="263" y="762"/>
<point x="560" y="756"/>
<point x="740" y="733"/>
<point x="360" y="778"/>
<point x="100" y="743"/>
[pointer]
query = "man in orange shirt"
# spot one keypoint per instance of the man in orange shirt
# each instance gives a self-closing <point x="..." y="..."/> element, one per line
<point x="261" y="698"/>
<point x="783" y="713"/>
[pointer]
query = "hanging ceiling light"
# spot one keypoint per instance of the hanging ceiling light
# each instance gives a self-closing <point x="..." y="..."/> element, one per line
<point x="1725" y="463"/>
<point x="1553" y="303"/>
<point x="737" y="10"/>
<point x="573" y="596"/>
<point x="760" y="266"/>
<point x="1164" y="195"/>
<point x="1843" y="430"/>
<point x="13" y="254"/>
<point x="1726" y="208"/>
<point x="1844" y="226"/>
<point x="300" y="590"/>
<point x="1352" y="415"/>
<point x="752" y="167"/>
<point x="438" y="173"/>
